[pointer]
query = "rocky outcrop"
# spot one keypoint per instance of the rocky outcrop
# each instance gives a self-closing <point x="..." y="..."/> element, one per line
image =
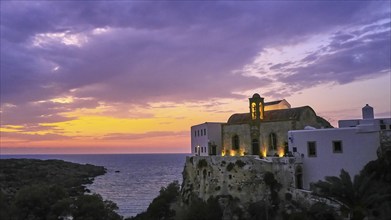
<point x="241" y="179"/>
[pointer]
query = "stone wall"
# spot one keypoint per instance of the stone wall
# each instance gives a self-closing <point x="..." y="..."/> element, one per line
<point x="238" y="177"/>
<point x="243" y="131"/>
<point x="279" y="127"/>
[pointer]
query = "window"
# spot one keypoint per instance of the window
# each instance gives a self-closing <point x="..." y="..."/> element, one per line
<point x="260" y="111"/>
<point x="273" y="141"/>
<point x="195" y="133"/>
<point x="253" y="111"/>
<point x="198" y="132"/>
<point x="383" y="127"/>
<point x="195" y="150"/>
<point x="337" y="146"/>
<point x="311" y="145"/>
<point x="204" y="131"/>
<point x="235" y="142"/>
<point x="294" y="149"/>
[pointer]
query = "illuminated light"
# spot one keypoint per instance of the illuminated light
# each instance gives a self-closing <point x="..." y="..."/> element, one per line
<point x="241" y="152"/>
<point x="264" y="152"/>
<point x="281" y="152"/>
<point x="260" y="111"/>
<point x="253" y="111"/>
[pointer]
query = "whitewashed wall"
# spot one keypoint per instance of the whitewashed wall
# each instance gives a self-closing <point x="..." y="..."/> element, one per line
<point x="359" y="145"/>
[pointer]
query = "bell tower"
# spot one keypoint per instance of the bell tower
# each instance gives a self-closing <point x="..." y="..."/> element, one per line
<point x="256" y="113"/>
<point x="256" y="107"/>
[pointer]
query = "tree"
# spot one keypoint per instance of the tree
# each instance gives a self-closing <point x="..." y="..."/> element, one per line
<point x="92" y="207"/>
<point x="274" y="187"/>
<point x="36" y="201"/>
<point x="357" y="196"/>
<point x="160" y="207"/>
<point x="200" y="210"/>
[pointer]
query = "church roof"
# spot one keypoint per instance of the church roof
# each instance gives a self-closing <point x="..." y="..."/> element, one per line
<point x="273" y="102"/>
<point x="273" y="115"/>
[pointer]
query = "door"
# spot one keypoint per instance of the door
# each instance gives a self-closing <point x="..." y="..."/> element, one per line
<point x="255" y="147"/>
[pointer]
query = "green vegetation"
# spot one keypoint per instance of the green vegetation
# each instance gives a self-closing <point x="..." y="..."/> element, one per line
<point x="51" y="189"/>
<point x="230" y="166"/>
<point x="202" y="163"/>
<point x="274" y="187"/>
<point x="367" y="195"/>
<point x="318" y="211"/>
<point x="240" y="163"/>
<point x="200" y="210"/>
<point x="165" y="206"/>
<point x="160" y="208"/>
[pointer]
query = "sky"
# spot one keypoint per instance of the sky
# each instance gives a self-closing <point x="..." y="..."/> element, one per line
<point x="134" y="76"/>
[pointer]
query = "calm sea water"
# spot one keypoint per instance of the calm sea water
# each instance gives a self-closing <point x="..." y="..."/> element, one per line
<point x="138" y="181"/>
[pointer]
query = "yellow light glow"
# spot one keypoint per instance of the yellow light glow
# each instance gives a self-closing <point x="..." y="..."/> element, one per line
<point x="281" y="152"/>
<point x="241" y="152"/>
<point x="223" y="153"/>
<point x="253" y="110"/>
<point x="264" y="152"/>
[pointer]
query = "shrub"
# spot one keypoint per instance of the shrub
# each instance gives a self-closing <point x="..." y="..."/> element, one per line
<point x="160" y="206"/>
<point x="230" y="166"/>
<point x="202" y="163"/>
<point x="93" y="207"/>
<point x="209" y="210"/>
<point x="240" y="163"/>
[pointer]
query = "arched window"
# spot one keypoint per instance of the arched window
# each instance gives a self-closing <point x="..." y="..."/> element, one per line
<point x="235" y="142"/>
<point x="253" y="111"/>
<point x="260" y="111"/>
<point x="273" y="141"/>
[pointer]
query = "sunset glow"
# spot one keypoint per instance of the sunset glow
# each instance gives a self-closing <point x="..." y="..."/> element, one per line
<point x="128" y="82"/>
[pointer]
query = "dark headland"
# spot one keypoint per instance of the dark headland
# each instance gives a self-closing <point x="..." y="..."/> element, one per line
<point x="51" y="189"/>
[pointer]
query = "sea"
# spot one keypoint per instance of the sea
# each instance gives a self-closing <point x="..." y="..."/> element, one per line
<point x="132" y="181"/>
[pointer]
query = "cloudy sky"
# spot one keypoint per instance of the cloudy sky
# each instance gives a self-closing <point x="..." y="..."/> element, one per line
<point x="133" y="76"/>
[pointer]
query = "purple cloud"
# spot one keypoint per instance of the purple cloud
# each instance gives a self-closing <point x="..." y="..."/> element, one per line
<point x="173" y="51"/>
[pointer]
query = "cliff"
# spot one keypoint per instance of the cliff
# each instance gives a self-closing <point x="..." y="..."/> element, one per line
<point x="238" y="182"/>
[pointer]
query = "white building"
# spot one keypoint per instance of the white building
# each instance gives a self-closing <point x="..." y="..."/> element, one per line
<point x="326" y="151"/>
<point x="206" y="139"/>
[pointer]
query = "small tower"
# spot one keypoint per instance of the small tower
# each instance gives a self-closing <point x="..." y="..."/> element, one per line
<point x="367" y="112"/>
<point x="256" y="107"/>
